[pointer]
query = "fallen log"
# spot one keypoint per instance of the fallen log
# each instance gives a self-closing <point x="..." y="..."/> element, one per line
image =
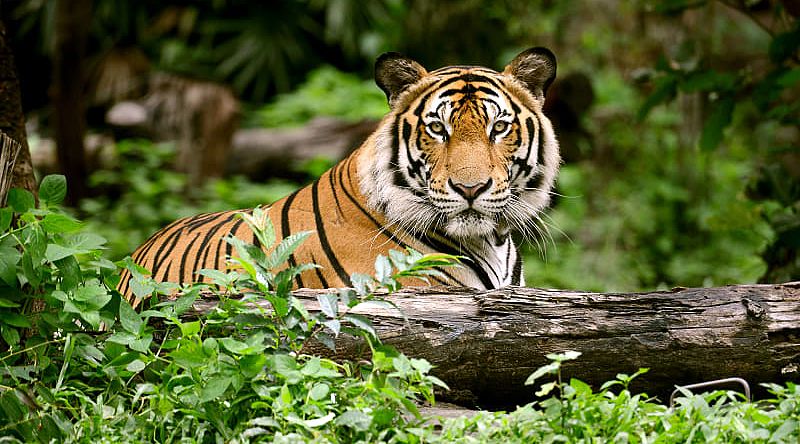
<point x="484" y="344"/>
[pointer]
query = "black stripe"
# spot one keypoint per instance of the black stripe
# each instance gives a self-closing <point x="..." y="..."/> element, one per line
<point x="204" y="248"/>
<point x="124" y="282"/>
<point x="201" y="219"/>
<point x="523" y="168"/>
<point x="540" y="145"/>
<point x="516" y="278"/>
<point x="285" y="231"/>
<point x="323" y="237"/>
<point x="333" y="188"/>
<point x="166" y="273"/>
<point x="508" y="260"/>
<point x="318" y="270"/>
<point x="469" y="262"/>
<point x="535" y="181"/>
<point x="184" y="257"/>
<point x="469" y="89"/>
<point x="165" y="249"/>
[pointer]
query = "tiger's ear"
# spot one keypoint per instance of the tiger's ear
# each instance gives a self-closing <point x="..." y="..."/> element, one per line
<point x="535" y="68"/>
<point x="394" y="72"/>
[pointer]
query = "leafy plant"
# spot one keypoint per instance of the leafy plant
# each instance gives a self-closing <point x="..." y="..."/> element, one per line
<point x="239" y="373"/>
<point x="756" y="102"/>
<point x="326" y="92"/>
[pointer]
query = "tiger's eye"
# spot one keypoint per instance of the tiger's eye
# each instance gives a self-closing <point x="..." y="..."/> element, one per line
<point x="436" y="127"/>
<point x="499" y="126"/>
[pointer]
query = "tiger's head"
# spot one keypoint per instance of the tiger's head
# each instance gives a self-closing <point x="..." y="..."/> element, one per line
<point x="465" y="150"/>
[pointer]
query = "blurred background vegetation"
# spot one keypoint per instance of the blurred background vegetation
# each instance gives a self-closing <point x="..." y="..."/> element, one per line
<point x="678" y="118"/>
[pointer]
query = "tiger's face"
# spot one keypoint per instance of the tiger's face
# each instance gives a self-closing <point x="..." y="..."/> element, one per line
<point x="465" y="151"/>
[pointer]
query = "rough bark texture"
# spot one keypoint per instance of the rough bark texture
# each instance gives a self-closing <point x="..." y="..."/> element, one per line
<point x="72" y="20"/>
<point x="12" y="121"/>
<point x="485" y="344"/>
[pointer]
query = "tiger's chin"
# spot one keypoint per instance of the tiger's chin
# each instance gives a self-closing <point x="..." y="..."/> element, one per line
<point x="470" y="224"/>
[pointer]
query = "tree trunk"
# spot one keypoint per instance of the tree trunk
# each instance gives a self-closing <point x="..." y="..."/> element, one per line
<point x="484" y="344"/>
<point x="72" y="21"/>
<point x="12" y="123"/>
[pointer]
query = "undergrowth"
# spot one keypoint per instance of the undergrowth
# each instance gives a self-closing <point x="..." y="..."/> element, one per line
<point x="79" y="364"/>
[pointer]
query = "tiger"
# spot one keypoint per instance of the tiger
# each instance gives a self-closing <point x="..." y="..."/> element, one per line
<point x="464" y="158"/>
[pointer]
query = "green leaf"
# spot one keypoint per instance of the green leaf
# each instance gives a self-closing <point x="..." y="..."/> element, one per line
<point x="569" y="355"/>
<point x="215" y="388"/>
<point x="55" y="252"/>
<point x="5" y="303"/>
<point x="9" y="334"/>
<point x="363" y="284"/>
<point x="136" y="366"/>
<point x="550" y="368"/>
<point x="286" y="395"/>
<point x="9" y="257"/>
<point x="328" y="303"/>
<point x="546" y="388"/>
<point x="285" y="248"/>
<point x="355" y="419"/>
<point x="14" y="319"/>
<point x="53" y="189"/>
<point x="716" y="123"/>
<point x="285" y="366"/>
<point x="190" y="328"/>
<point x="185" y="302"/>
<point x="279" y="304"/>
<point x="665" y="90"/>
<point x="383" y="268"/>
<point x="59" y="223"/>
<point x="92" y="293"/>
<point x="86" y="241"/>
<point x="190" y="355"/>
<point x="130" y="320"/>
<point x="6" y="214"/>
<point x="234" y="346"/>
<point x="319" y="391"/>
<point x="20" y="200"/>
<point x="335" y="325"/>
<point x="70" y="271"/>
<point x="252" y="365"/>
<point x="142" y="287"/>
<point x="361" y="322"/>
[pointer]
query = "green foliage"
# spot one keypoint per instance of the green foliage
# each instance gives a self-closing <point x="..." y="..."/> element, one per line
<point x="754" y="103"/>
<point x="662" y="218"/>
<point x="143" y="195"/>
<point x="241" y="373"/>
<point x="238" y="373"/>
<point x="613" y="414"/>
<point x="326" y="92"/>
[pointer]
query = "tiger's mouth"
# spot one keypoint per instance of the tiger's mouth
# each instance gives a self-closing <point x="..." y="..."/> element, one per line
<point x="470" y="223"/>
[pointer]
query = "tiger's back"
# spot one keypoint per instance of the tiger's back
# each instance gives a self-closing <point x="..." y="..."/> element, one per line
<point x="464" y="158"/>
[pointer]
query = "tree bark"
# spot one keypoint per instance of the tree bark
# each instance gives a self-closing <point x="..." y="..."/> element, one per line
<point x="12" y="121"/>
<point x="72" y="20"/>
<point x="484" y="344"/>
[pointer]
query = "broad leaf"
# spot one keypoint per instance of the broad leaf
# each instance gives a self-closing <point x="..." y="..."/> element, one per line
<point x="329" y="305"/>
<point x="20" y="200"/>
<point x="59" y="223"/>
<point x="53" y="189"/>
<point x="130" y="320"/>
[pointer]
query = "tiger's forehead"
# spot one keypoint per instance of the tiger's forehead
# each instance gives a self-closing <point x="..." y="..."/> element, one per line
<point x="454" y="87"/>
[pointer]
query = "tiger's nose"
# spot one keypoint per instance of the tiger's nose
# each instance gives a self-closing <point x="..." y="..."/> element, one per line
<point x="470" y="192"/>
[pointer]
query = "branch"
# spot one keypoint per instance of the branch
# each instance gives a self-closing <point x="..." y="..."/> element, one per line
<point x="484" y="344"/>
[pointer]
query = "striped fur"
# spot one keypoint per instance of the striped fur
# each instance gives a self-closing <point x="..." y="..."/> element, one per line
<point x="464" y="158"/>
